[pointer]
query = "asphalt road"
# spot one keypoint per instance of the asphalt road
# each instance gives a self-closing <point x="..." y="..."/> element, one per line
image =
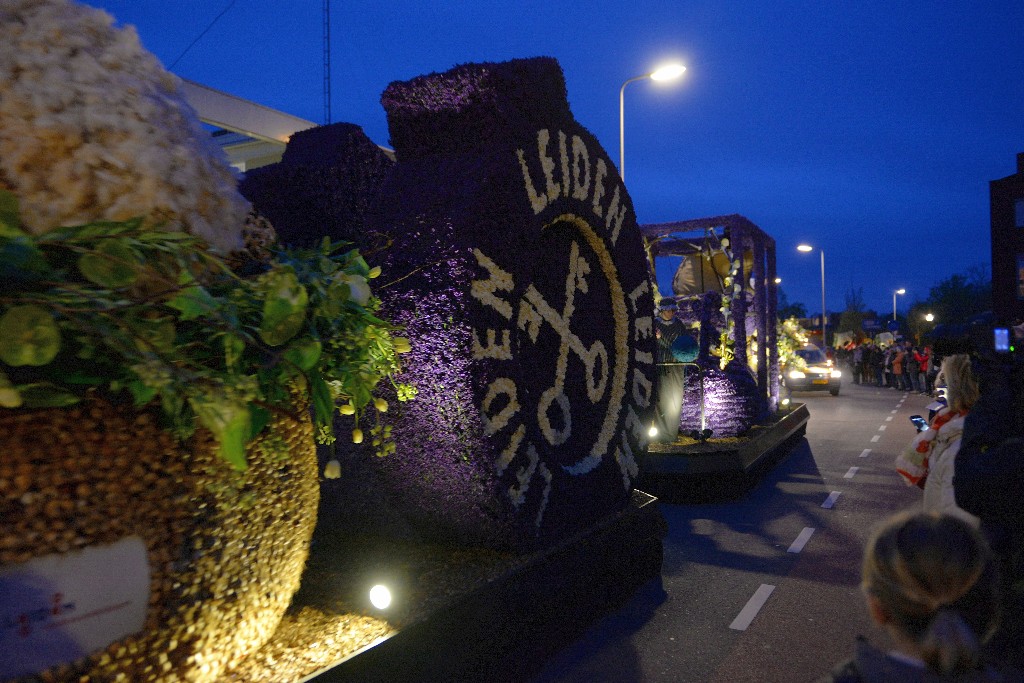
<point x="765" y="587"/>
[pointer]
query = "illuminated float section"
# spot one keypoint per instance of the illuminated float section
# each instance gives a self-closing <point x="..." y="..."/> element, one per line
<point x="721" y="272"/>
<point x="522" y="285"/>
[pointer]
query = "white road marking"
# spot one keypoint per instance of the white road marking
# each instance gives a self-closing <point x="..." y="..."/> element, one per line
<point x="893" y="411"/>
<point x="875" y="438"/>
<point x="753" y="606"/>
<point x="864" y="453"/>
<point x="882" y="428"/>
<point x="801" y="540"/>
<point x="831" y="500"/>
<point x="889" y="419"/>
<point x="849" y="474"/>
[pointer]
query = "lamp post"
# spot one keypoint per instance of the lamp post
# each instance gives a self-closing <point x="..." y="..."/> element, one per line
<point x="824" y="337"/>
<point x="901" y="292"/>
<point x="665" y="73"/>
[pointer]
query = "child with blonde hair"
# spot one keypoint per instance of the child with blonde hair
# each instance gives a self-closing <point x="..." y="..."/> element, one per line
<point x="929" y="579"/>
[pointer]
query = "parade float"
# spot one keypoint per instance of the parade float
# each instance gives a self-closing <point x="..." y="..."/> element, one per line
<point x="734" y="419"/>
<point x="168" y="368"/>
<point x="163" y="370"/>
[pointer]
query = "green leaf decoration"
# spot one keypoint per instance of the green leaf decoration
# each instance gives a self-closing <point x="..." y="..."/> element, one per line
<point x="284" y="309"/>
<point x="234" y="346"/>
<point x="45" y="395"/>
<point x="258" y="418"/>
<point x="10" y="223"/>
<point x="142" y="310"/>
<point x="88" y="232"/>
<point x="305" y="353"/>
<point x="28" y="336"/>
<point x="141" y="393"/>
<point x="21" y="261"/>
<point x="323" y="403"/>
<point x="112" y="264"/>
<point x="230" y="423"/>
<point x="9" y="396"/>
<point x="155" y="334"/>
<point x="193" y="302"/>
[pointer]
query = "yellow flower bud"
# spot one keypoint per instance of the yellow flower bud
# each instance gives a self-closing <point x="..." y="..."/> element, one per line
<point x="357" y="435"/>
<point x="332" y="470"/>
<point x="374" y="272"/>
<point x="381" y="404"/>
<point x="402" y="345"/>
<point x="347" y="409"/>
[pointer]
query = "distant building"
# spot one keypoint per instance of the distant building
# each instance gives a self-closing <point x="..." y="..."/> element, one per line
<point x="1006" y="197"/>
<point x="250" y="134"/>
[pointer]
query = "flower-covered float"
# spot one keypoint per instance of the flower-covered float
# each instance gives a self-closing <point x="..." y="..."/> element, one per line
<point x="520" y="279"/>
<point x="164" y="369"/>
<point x="724" y="285"/>
<point x="722" y="276"/>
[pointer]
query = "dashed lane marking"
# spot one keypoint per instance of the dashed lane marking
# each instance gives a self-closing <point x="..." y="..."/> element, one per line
<point x="753" y="606"/>
<point x="875" y="438"/>
<point x="889" y="419"/>
<point x="831" y="500"/>
<point x="849" y="474"/>
<point x="864" y="453"/>
<point x="801" y="540"/>
<point x="882" y="428"/>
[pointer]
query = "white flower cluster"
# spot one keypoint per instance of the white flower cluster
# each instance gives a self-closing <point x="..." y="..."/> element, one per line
<point x="92" y="127"/>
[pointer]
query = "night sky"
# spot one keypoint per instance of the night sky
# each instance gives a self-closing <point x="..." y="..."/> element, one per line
<point x="868" y="129"/>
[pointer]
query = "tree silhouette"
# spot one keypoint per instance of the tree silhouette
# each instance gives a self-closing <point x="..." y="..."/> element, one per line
<point x="789" y="310"/>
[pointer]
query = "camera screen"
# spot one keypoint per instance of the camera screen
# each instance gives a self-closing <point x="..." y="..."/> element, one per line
<point x="1001" y="339"/>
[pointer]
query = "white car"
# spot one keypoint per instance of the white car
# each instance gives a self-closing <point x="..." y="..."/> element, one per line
<point x="811" y="370"/>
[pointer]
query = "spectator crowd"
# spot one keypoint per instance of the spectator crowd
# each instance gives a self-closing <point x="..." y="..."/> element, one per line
<point x="901" y="365"/>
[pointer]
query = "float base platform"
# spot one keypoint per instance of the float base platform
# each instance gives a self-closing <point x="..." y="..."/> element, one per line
<point x="505" y="629"/>
<point x="694" y="471"/>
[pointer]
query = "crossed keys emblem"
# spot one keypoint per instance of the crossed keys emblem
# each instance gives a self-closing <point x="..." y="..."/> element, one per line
<point x="533" y="312"/>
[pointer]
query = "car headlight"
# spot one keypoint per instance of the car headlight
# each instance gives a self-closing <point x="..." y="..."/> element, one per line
<point x="796" y="374"/>
<point x="837" y="374"/>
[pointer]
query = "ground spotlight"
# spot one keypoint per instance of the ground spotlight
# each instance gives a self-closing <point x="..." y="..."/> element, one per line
<point x="652" y="432"/>
<point x="380" y="596"/>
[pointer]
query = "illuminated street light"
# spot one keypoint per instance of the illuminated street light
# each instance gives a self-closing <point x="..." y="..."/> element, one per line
<point x="808" y="248"/>
<point x="901" y="292"/>
<point x="665" y="73"/>
<point x="930" y="317"/>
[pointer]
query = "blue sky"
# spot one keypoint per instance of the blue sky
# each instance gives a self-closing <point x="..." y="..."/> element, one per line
<point x="869" y="129"/>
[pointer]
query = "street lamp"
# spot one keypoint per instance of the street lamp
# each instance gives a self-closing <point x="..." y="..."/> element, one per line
<point x="809" y="248"/>
<point x="901" y="292"/>
<point x="929" y="317"/>
<point x="665" y="73"/>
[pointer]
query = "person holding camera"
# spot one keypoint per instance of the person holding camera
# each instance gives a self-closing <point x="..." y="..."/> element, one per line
<point x="929" y="460"/>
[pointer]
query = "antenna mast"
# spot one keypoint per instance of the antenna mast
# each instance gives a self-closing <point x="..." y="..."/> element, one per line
<point x="327" y="62"/>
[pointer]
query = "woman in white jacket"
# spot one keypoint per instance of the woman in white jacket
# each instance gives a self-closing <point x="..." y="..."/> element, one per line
<point x="928" y="461"/>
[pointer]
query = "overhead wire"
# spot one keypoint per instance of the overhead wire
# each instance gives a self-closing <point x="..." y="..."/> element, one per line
<point x="200" y="36"/>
